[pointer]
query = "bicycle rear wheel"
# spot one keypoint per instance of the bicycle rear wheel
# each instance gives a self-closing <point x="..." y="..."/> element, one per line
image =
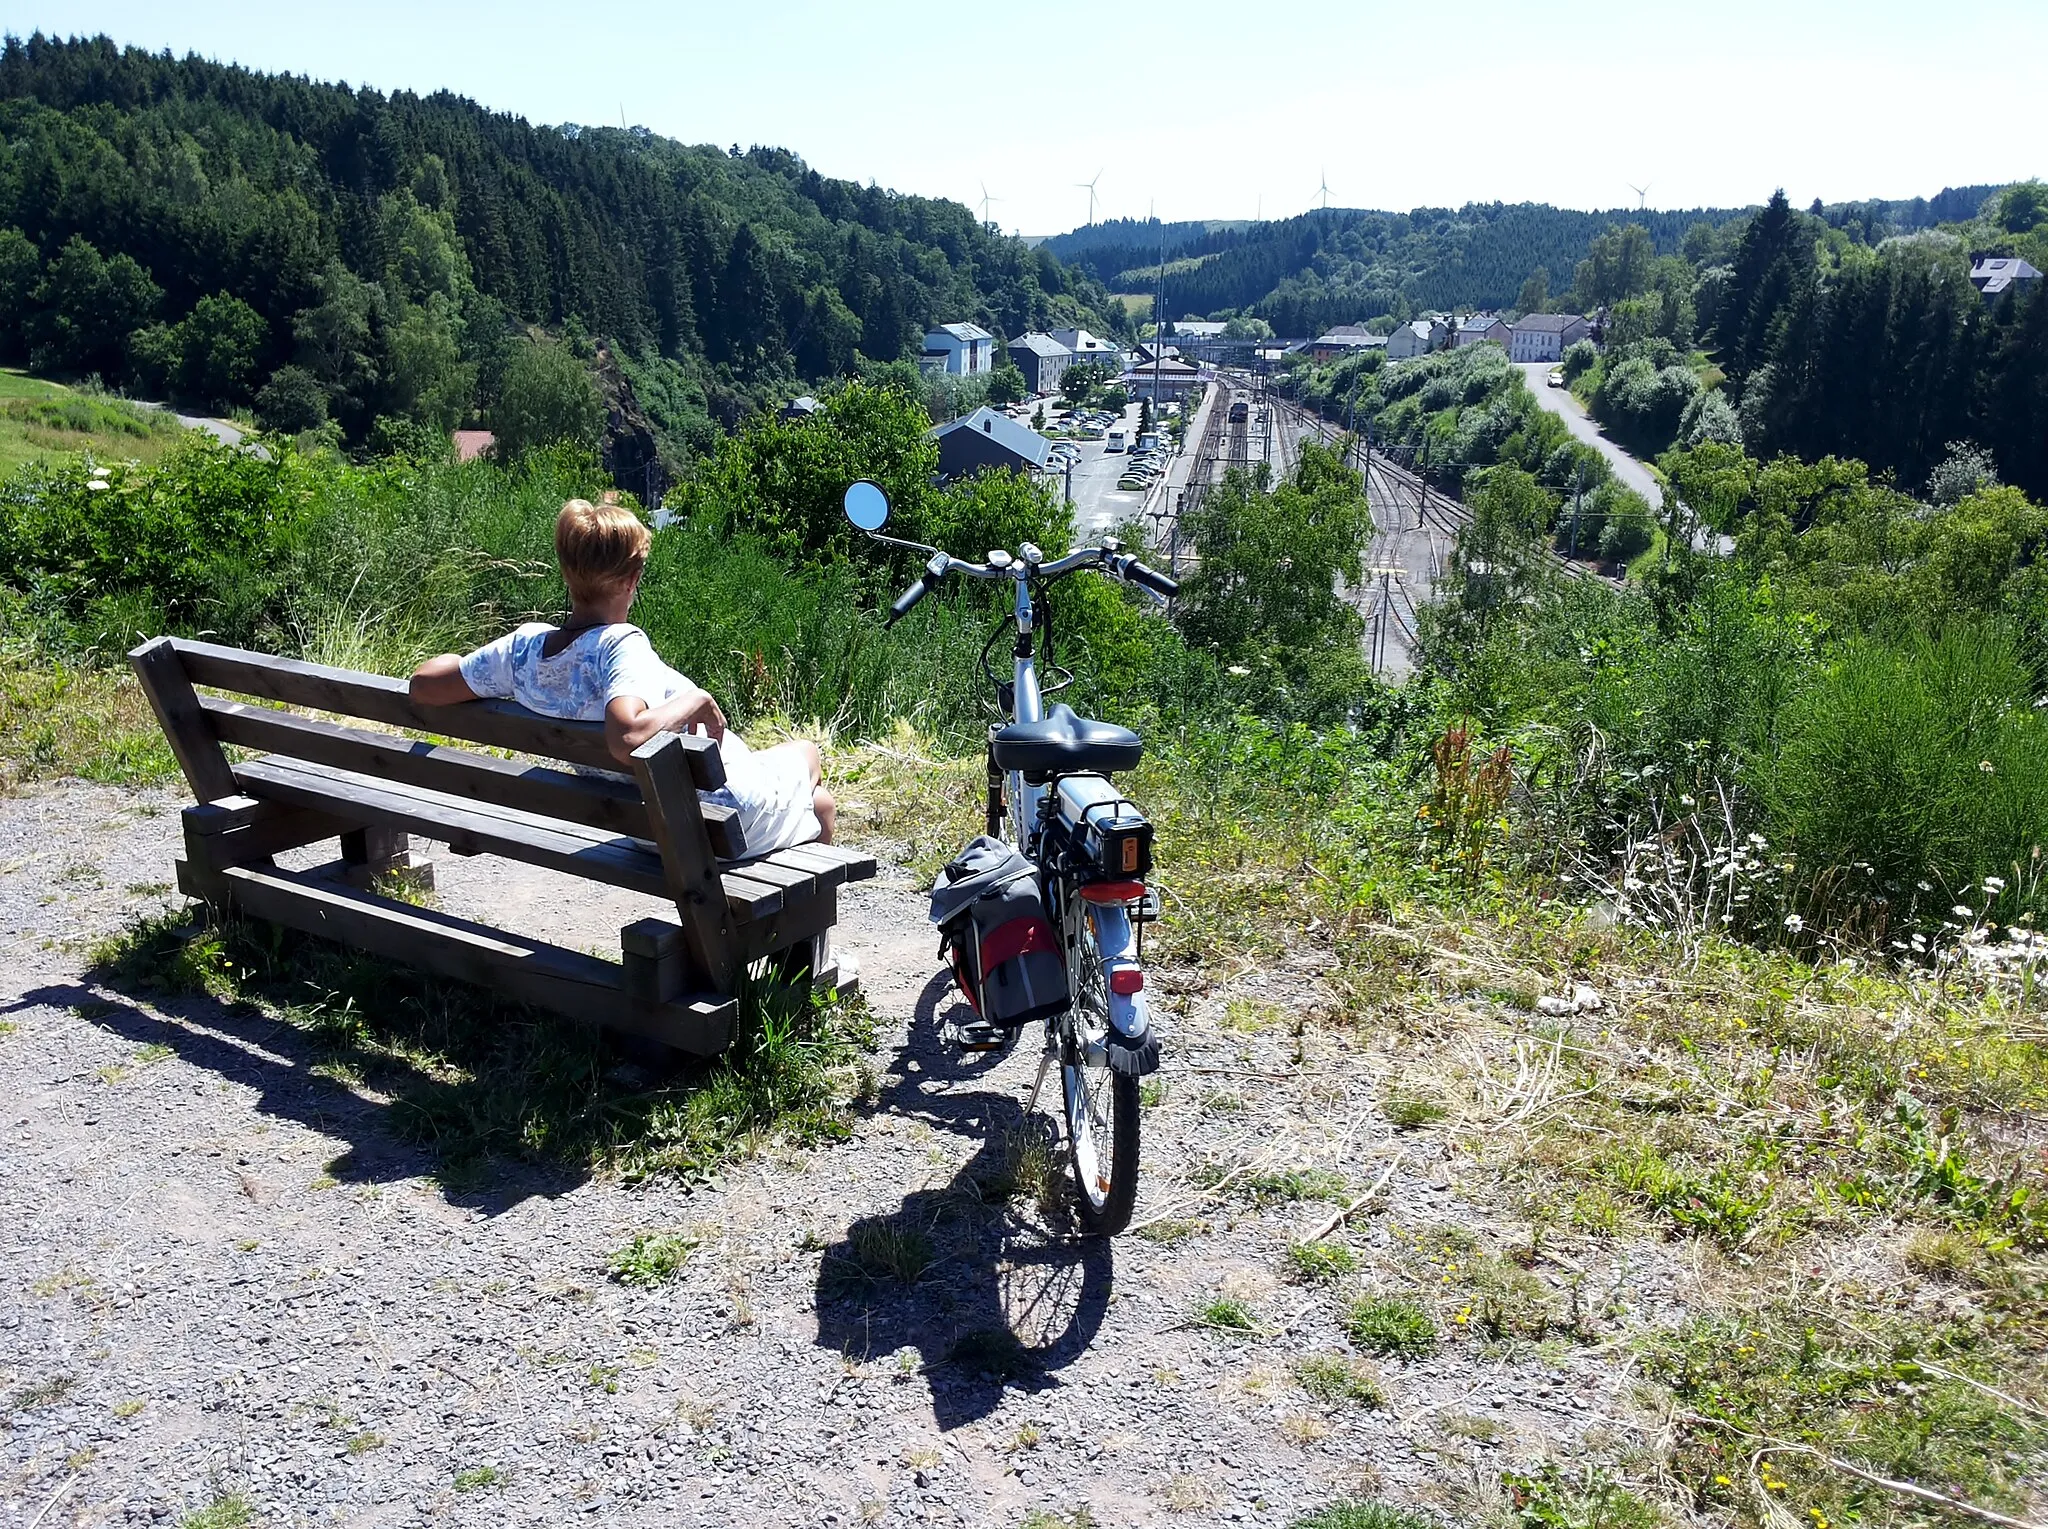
<point x="1101" y="1104"/>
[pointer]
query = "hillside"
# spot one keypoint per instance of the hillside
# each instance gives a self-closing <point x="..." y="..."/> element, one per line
<point x="1346" y="265"/>
<point x="193" y="227"/>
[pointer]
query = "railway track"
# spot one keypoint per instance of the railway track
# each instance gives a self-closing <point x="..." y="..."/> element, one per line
<point x="1395" y="487"/>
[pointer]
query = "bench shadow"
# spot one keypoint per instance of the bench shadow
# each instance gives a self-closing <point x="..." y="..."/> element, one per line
<point x="991" y="1299"/>
<point x="441" y="1117"/>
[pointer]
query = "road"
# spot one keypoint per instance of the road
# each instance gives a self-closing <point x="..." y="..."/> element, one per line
<point x="1099" y="505"/>
<point x="1559" y="401"/>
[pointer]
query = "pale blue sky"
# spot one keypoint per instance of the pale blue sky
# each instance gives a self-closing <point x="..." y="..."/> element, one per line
<point x="1219" y="110"/>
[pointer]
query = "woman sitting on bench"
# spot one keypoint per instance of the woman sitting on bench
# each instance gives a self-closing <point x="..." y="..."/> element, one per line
<point x="598" y="667"/>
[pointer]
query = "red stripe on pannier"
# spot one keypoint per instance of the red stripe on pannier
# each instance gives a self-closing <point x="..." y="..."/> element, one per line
<point x="1019" y="937"/>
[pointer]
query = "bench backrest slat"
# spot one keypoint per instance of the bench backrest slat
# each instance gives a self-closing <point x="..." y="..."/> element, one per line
<point x="378" y="698"/>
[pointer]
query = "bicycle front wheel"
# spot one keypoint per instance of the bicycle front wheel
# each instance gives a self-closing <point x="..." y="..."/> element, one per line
<point x="1101" y="1104"/>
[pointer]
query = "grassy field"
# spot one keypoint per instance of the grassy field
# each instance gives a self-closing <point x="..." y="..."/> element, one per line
<point x="41" y="419"/>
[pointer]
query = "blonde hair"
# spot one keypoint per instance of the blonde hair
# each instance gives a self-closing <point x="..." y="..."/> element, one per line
<point x="602" y="547"/>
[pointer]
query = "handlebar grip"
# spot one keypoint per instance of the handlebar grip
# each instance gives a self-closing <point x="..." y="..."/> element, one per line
<point x="904" y="602"/>
<point x="1151" y="578"/>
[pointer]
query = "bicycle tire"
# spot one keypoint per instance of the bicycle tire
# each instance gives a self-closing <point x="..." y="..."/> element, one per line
<point x="1100" y="1107"/>
<point x="1105" y="1207"/>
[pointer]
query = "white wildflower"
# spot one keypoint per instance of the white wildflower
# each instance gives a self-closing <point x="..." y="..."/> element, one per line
<point x="1239" y="670"/>
<point x="1794" y="922"/>
<point x="1960" y="911"/>
<point x="1994" y="884"/>
<point x="98" y="486"/>
<point x="1985" y="766"/>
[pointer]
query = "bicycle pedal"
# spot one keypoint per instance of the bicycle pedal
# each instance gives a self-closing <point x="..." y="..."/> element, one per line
<point x="979" y="1037"/>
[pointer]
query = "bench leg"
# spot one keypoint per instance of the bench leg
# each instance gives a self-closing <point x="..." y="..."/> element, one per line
<point x="368" y="854"/>
<point x="657" y="969"/>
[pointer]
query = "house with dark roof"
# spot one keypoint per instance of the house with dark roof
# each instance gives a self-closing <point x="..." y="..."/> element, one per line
<point x="1042" y="360"/>
<point x="1344" y="340"/>
<point x="959" y="350"/>
<point x="1544" y="336"/>
<point x="1478" y="328"/>
<point x="988" y="440"/>
<point x="1994" y="276"/>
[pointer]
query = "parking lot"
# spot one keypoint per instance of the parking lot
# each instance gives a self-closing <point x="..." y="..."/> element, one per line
<point x="1099" y="505"/>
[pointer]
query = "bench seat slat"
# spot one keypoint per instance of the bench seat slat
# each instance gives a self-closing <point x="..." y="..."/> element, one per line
<point x="566" y="981"/>
<point x="379" y="698"/>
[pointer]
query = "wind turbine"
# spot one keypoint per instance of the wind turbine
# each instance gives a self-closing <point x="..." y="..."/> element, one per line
<point x="1089" y="187"/>
<point x="1642" y="194"/>
<point x="1325" y="190"/>
<point x="985" y="200"/>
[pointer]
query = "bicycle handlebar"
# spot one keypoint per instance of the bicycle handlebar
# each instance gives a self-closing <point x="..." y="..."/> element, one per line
<point x="1124" y="566"/>
<point x="904" y="602"/>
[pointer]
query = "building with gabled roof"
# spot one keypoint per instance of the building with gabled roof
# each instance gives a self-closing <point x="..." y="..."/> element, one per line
<point x="1544" y="336"/>
<point x="1042" y="360"/>
<point x="988" y="440"/>
<point x="1995" y="275"/>
<point x="960" y="350"/>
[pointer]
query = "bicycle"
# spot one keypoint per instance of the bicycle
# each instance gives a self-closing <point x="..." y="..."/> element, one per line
<point x="1049" y="793"/>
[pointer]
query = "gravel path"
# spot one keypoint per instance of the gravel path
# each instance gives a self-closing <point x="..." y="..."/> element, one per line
<point x="220" y="1272"/>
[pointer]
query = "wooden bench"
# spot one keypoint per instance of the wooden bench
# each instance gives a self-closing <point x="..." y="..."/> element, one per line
<point x="312" y="779"/>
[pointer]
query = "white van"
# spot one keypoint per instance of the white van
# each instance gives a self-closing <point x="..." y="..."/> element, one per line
<point x="1115" y="440"/>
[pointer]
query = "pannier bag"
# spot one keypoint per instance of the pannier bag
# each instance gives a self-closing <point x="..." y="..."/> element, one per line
<point x="993" y="932"/>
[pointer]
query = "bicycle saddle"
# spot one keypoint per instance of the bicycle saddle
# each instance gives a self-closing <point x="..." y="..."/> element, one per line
<point x="1065" y="744"/>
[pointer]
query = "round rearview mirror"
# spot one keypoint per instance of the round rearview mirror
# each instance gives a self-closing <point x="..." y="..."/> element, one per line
<point x="867" y="506"/>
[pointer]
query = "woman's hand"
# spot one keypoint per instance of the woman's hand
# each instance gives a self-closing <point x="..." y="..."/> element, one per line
<point x="630" y="722"/>
<point x="700" y="710"/>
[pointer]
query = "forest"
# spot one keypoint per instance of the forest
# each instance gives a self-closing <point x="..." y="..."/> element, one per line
<point x="331" y="254"/>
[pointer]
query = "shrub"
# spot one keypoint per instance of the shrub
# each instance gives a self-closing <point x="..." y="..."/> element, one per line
<point x="1921" y="762"/>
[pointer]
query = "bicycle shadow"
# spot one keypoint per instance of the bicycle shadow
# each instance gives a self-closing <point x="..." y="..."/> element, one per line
<point x="1006" y="1298"/>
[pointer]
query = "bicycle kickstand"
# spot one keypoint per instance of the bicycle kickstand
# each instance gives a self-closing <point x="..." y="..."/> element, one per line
<point x="1037" y="1083"/>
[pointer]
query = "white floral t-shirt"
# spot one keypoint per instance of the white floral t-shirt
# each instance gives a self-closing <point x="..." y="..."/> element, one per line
<point x="594" y="669"/>
<point x="772" y="791"/>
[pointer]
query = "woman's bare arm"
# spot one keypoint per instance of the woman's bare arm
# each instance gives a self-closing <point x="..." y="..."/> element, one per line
<point x="439" y="682"/>
<point x="630" y="721"/>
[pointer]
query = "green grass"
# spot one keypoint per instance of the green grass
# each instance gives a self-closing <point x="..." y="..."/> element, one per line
<point x="477" y="1478"/>
<point x="1227" y="1314"/>
<point x="1340" y="1378"/>
<point x="227" y="1511"/>
<point x="1892" y="1393"/>
<point x="1389" y="1325"/>
<point x="15" y="383"/>
<point x="1358" y="1513"/>
<point x="651" y="1258"/>
<point x="1588" y="1497"/>
<point x="477" y="1080"/>
<point x="1319" y="1263"/>
<point x="39" y="420"/>
<point x="1408" y="1110"/>
<point x="881" y="1248"/>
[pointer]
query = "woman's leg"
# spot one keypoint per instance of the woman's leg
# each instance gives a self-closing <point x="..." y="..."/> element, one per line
<point x="822" y="802"/>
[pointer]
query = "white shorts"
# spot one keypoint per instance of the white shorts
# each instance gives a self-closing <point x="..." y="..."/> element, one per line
<point x="772" y="793"/>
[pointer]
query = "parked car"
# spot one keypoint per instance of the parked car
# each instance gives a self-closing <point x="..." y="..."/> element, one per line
<point x="1555" y="379"/>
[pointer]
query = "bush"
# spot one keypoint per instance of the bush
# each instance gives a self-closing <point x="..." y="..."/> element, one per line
<point x="1579" y="358"/>
<point x="292" y="400"/>
<point x="1924" y="762"/>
